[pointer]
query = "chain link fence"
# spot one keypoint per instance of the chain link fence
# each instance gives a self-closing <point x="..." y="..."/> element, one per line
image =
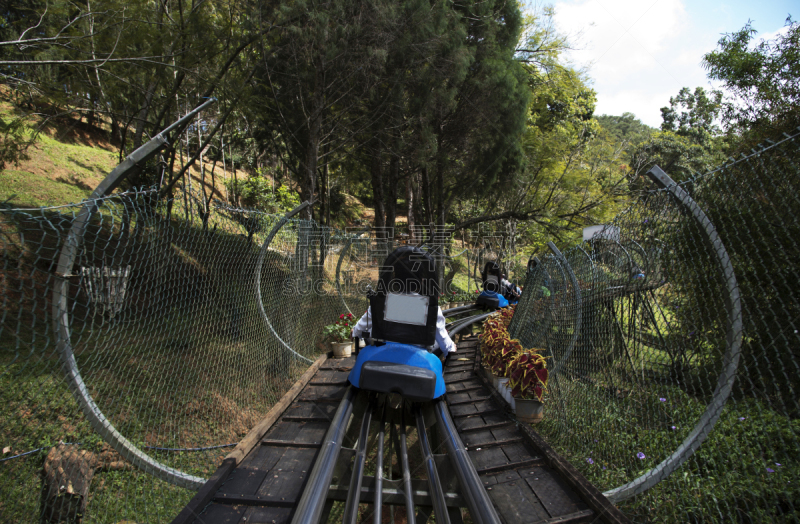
<point x="137" y="352"/>
<point x="141" y="339"/>
<point x="137" y="370"/>
<point x="673" y="344"/>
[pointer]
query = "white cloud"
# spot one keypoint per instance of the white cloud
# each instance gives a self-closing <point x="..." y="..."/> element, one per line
<point x="638" y="53"/>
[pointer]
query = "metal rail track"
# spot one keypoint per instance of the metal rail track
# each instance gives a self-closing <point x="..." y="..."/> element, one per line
<point x="332" y="453"/>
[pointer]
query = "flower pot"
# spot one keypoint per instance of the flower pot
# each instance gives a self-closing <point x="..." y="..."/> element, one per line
<point x="529" y="411"/>
<point x="341" y="349"/>
<point x="503" y="389"/>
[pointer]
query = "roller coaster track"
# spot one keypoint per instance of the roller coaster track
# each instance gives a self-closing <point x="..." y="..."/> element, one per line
<point x="330" y="452"/>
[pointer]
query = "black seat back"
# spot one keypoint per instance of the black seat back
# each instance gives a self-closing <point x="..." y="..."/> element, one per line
<point x="491" y="277"/>
<point x="406" y="304"/>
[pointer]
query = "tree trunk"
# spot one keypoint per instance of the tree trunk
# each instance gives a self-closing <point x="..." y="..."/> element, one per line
<point x="410" y="202"/>
<point x="68" y="473"/>
<point x="141" y="119"/>
<point x="377" y="188"/>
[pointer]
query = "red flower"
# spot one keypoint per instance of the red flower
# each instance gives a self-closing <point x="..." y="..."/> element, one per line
<point x="349" y="315"/>
<point x="341" y="316"/>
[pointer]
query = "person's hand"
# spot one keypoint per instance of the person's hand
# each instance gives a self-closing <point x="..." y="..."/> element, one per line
<point x="454" y="348"/>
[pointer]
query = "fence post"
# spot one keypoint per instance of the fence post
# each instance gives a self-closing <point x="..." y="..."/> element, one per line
<point x="730" y="360"/>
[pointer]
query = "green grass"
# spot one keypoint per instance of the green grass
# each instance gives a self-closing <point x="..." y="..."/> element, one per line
<point x="724" y="480"/>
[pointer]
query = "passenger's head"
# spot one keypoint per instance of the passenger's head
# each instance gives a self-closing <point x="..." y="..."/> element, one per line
<point x="410" y="270"/>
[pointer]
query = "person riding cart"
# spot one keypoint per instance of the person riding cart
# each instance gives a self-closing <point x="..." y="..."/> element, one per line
<point x="406" y="327"/>
<point x="492" y="295"/>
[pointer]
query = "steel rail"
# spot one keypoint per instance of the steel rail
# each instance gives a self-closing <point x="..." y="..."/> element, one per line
<point x="312" y="502"/>
<point x="408" y="491"/>
<point x="61" y="311"/>
<point x="733" y="340"/>
<point x="357" y="477"/>
<point x="459" y="326"/>
<point x="378" y="505"/>
<point x="434" y="482"/>
<point x="460" y="309"/>
<point x="260" y="263"/>
<point x="480" y="505"/>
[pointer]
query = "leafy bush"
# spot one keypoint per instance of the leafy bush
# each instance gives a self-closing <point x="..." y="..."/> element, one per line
<point x="256" y="192"/>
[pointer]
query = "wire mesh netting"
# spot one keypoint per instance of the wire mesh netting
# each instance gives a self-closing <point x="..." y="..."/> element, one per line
<point x="675" y="329"/>
<point x="139" y="345"/>
<point x="133" y="373"/>
<point x="166" y="346"/>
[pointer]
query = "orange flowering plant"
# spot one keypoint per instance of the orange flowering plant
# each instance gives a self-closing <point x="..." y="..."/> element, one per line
<point x="340" y="330"/>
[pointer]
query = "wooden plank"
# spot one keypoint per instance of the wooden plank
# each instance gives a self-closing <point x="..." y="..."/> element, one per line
<point x="493" y="443"/>
<point x="251" y="473"/>
<point x="469" y="426"/>
<point x="472" y="377"/>
<point x="288" y="478"/>
<point x="289" y="444"/>
<point x="516" y="503"/>
<point x="301" y="410"/>
<point x="579" y="517"/>
<point x="457" y="389"/>
<point x="253" y="500"/>
<point x="535" y="461"/>
<point x="204" y="495"/>
<point x="587" y="491"/>
<point x="556" y="496"/>
<point x="258" y="515"/>
<point x="517" y="452"/>
<point x="467" y="401"/>
<point x="249" y="441"/>
<point x="221" y="514"/>
<point x="298" y="432"/>
<point x="486" y="457"/>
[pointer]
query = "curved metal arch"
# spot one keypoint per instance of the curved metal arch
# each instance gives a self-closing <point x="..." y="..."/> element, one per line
<point x="61" y="318"/>
<point x="260" y="263"/>
<point x="578" y="304"/>
<point x="627" y="254"/>
<point x="339" y="266"/>
<point x="638" y="247"/>
<point x="730" y="361"/>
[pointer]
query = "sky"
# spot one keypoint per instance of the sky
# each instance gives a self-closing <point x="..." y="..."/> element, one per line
<point x="639" y="53"/>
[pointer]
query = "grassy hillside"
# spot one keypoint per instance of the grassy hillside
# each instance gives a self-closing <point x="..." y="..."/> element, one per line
<point x="67" y="162"/>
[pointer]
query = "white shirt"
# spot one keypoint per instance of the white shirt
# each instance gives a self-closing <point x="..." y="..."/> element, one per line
<point x="443" y="340"/>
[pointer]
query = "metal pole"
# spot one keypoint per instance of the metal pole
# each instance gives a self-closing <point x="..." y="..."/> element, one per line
<point x="311" y="504"/>
<point x="480" y="505"/>
<point x="434" y="482"/>
<point x="357" y="478"/>
<point x="730" y="360"/>
<point x="61" y="319"/>
<point x="260" y="263"/>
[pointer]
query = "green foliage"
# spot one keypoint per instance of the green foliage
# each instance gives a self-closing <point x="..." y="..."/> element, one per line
<point x="14" y="141"/>
<point x="702" y="490"/>
<point x="762" y="79"/>
<point x="256" y="192"/>
<point x="340" y="330"/>
<point x="689" y="142"/>
<point x="693" y="115"/>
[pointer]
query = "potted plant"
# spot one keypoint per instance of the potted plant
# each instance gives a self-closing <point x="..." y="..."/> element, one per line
<point x="498" y="349"/>
<point x="338" y="334"/>
<point x="528" y="381"/>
